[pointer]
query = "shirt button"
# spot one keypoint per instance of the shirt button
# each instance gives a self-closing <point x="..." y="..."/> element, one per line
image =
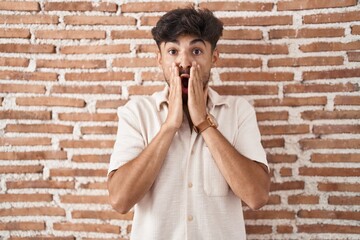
<point x="190" y="218"/>
<point x="190" y="185"/>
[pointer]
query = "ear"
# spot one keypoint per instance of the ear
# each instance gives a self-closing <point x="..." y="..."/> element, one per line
<point x="215" y="56"/>
<point x="159" y="58"/>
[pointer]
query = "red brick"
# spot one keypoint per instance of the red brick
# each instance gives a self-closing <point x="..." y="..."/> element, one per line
<point x="291" y="101"/>
<point x="333" y="129"/>
<point x="242" y="34"/>
<point x="339" y="187"/>
<point x="70" y="34"/>
<point x="22" y="88"/>
<point x="14" y="33"/>
<point x="21" y="169"/>
<point x="152" y="6"/>
<point x="27" y="48"/>
<point x="343" y="114"/>
<point x="347" y="100"/>
<point x="294" y="185"/>
<point x="22" y="226"/>
<point x="35" y="155"/>
<point x="42" y="237"/>
<point x="281" y="158"/>
<point x="270" y="116"/>
<point x="324" y="171"/>
<point x="331" y="74"/>
<point x="329" y="143"/>
<point x="263" y="229"/>
<point x="19" y="6"/>
<point x="99" y="20"/>
<point x="353" y="56"/>
<point x="32" y="76"/>
<point x="348" y="16"/>
<point x="152" y="76"/>
<point x="262" y="214"/>
<point x="84" y="64"/>
<point x="80" y="6"/>
<point x="99" y="130"/>
<point x="284" y="129"/>
<point x="325" y="158"/>
<point x="286" y="172"/>
<point x="86" y="143"/>
<point x="306" y="33"/>
<point x="67" y="172"/>
<point x="91" y="158"/>
<point x="96" y="185"/>
<point x="131" y="34"/>
<point x="147" y="48"/>
<point x="274" y="200"/>
<point x="245" y="90"/>
<point x="93" y="89"/>
<point x="239" y="62"/>
<point x="303" y="199"/>
<point x="114" y="104"/>
<point x="29" y="19"/>
<point x="14" y="62"/>
<point x="149" y="20"/>
<point x="341" y="200"/>
<point x="103" y="215"/>
<point x="265" y="49"/>
<point x="50" y="101"/>
<point x="258" y="21"/>
<point x="40" y="184"/>
<point x="305" y="61"/>
<point x="273" y="143"/>
<point x="284" y="229"/>
<point x="95" y="49"/>
<point x="76" y="199"/>
<point x="328" y="228"/>
<point x="329" y="214"/>
<point x="135" y="62"/>
<point x="34" y="197"/>
<point x="237" y="6"/>
<point x="38" y="115"/>
<point x="34" y="211"/>
<point x="310" y="4"/>
<point x="355" y="30"/>
<point x="257" y="76"/>
<point x="87" y="227"/>
<point x="144" y="90"/>
<point x="329" y="46"/>
<point x="24" y="141"/>
<point x="96" y="117"/>
<point x="100" y="76"/>
<point x="307" y="88"/>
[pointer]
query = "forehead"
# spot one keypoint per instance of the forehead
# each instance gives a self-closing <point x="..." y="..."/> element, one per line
<point x="186" y="40"/>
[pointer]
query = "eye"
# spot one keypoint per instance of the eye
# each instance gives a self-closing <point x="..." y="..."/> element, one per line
<point x="197" y="51"/>
<point x="172" y="51"/>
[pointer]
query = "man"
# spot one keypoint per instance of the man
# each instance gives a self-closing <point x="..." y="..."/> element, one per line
<point x="186" y="157"/>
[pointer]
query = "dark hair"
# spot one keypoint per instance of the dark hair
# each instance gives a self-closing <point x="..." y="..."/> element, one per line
<point x="188" y="21"/>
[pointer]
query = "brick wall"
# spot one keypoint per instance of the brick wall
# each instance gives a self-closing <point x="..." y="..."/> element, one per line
<point x="66" y="66"/>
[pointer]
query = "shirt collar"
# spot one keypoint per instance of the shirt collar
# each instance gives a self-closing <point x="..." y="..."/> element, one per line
<point x="214" y="98"/>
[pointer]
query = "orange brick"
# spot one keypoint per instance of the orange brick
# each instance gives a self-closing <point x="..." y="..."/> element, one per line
<point x="147" y="48"/>
<point x="347" y="16"/>
<point x="273" y="143"/>
<point x="333" y="129"/>
<point x="347" y="100"/>
<point x="152" y="76"/>
<point x="353" y="56"/>
<point x="50" y="101"/>
<point x="19" y="6"/>
<point x="104" y="215"/>
<point x="24" y="141"/>
<point x="257" y="76"/>
<point x="87" y="227"/>
<point x="344" y="114"/>
<point x="91" y="158"/>
<point x="84" y="64"/>
<point x="22" y="88"/>
<point x="271" y="116"/>
<point x="303" y="199"/>
<point x="93" y="89"/>
<point x="29" y="19"/>
<point x="26" y="48"/>
<point x="306" y="33"/>
<point x="291" y="101"/>
<point x="355" y="30"/>
<point x="328" y="228"/>
<point x="100" y="76"/>
<point x="80" y="6"/>
<point x="284" y="129"/>
<point x="149" y="20"/>
<point x="34" y="197"/>
<point x="96" y="49"/>
<point x="263" y="214"/>
<point x="343" y="200"/>
<point x="242" y="34"/>
<point x="330" y="46"/>
<point x="33" y="76"/>
<point x="11" y="114"/>
<point x="245" y="90"/>
<point x="152" y="6"/>
<point x="258" y="21"/>
<point x="97" y="117"/>
<point x="286" y="172"/>
<point x="41" y="184"/>
<point x="144" y="90"/>
<point x="135" y="62"/>
<point x="264" y="49"/>
<point x="281" y="158"/>
<point x="98" y="130"/>
<point x="21" y="169"/>
<point x="131" y="34"/>
<point x="329" y="214"/>
<point x="293" y="185"/>
<point x="305" y="61"/>
<point x="14" y="33"/>
<point x="307" y="88"/>
<point x="96" y="185"/>
<point x="329" y="143"/>
<point x="67" y="172"/>
<point x="22" y="226"/>
<point x="263" y="229"/>
<point x="274" y="200"/>
<point x="237" y="6"/>
<point x="99" y="20"/>
<point x="325" y="158"/>
<point x="331" y="74"/>
<point x="110" y="104"/>
<point x="284" y="229"/>
<point x="86" y="143"/>
<point x="239" y="62"/>
<point x="309" y="4"/>
<point x="34" y="211"/>
<point x="70" y="34"/>
<point x="14" y="62"/>
<point x="35" y="155"/>
<point x="75" y="199"/>
<point x="339" y="187"/>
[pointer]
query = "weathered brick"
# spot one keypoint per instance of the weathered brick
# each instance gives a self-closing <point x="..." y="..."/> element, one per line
<point x="44" y="237"/>
<point x="91" y="158"/>
<point x="21" y="169"/>
<point x="270" y="214"/>
<point x="303" y="199"/>
<point x="26" y="48"/>
<point x="34" y="197"/>
<point x="99" y="130"/>
<point x="86" y="143"/>
<point x="147" y="48"/>
<point x="70" y="34"/>
<point x="152" y="76"/>
<point x="24" y="141"/>
<point x="264" y="49"/>
<point x="67" y="172"/>
<point x="22" y="88"/>
<point x="329" y="214"/>
<point x="343" y="200"/>
<point x="245" y="90"/>
<point x="333" y="129"/>
<point x="50" y="101"/>
<point x="355" y="30"/>
<point x="131" y="34"/>
<point x="273" y="143"/>
<point x="284" y="229"/>
<point x="144" y="90"/>
<point x="309" y="4"/>
<point x="22" y="226"/>
<point x="152" y="6"/>
<point x="237" y="6"/>
<point x="239" y="62"/>
<point x="95" y="185"/>
<point x="286" y="172"/>
<point x="92" y="89"/>
<point x="243" y="34"/>
<point x="341" y="114"/>
<point x="311" y="88"/>
<point x="291" y="101"/>
<point x="34" y="211"/>
<point x="347" y="100"/>
<point x="12" y="114"/>
<point x="258" y="21"/>
<point x="80" y="6"/>
<point x="305" y="61"/>
<point x="84" y="64"/>
<point x="347" y="16"/>
<point x="339" y="187"/>
<point x="328" y="228"/>
<point x="100" y="76"/>
<point x="329" y="46"/>
<point x="284" y="129"/>
<point x="149" y="20"/>
<point x="95" y="49"/>
<point x="325" y="158"/>
<point x="353" y="56"/>
<point x="307" y="33"/>
<point x="99" y="20"/>
<point x="287" y="186"/>
<point x="110" y="104"/>
<point x="14" y="62"/>
<point x="281" y="158"/>
<point x="329" y="143"/>
<point x="256" y="229"/>
<point x="32" y="76"/>
<point x="87" y="227"/>
<point x="41" y="184"/>
<point x="88" y="117"/>
<point x="29" y="19"/>
<point x="331" y="74"/>
<point x="14" y="33"/>
<point x="76" y="199"/>
<point x="134" y="62"/>
<point x="273" y="115"/>
<point x="19" y="6"/>
<point x="34" y="155"/>
<point x="257" y="76"/>
<point x="104" y="215"/>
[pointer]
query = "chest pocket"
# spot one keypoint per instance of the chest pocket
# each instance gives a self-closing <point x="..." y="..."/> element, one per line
<point x="215" y="184"/>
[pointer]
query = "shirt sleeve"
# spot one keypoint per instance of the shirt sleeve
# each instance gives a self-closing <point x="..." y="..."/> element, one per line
<point x="129" y="142"/>
<point x="248" y="138"/>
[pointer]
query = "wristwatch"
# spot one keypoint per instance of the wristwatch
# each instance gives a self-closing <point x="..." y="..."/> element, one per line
<point x="209" y="122"/>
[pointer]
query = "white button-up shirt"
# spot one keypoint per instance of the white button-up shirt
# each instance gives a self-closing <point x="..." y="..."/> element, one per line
<point x="190" y="199"/>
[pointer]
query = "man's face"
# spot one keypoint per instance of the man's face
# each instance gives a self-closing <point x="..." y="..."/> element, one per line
<point x="183" y="51"/>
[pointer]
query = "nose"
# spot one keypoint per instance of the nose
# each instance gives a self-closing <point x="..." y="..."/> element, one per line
<point x="184" y="61"/>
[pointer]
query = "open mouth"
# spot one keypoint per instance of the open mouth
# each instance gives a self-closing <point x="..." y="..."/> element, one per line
<point x="185" y="82"/>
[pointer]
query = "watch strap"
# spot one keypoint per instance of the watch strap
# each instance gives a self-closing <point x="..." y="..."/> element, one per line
<point x="204" y="125"/>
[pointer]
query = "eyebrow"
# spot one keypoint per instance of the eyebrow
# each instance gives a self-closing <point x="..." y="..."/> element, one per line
<point x="194" y="41"/>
